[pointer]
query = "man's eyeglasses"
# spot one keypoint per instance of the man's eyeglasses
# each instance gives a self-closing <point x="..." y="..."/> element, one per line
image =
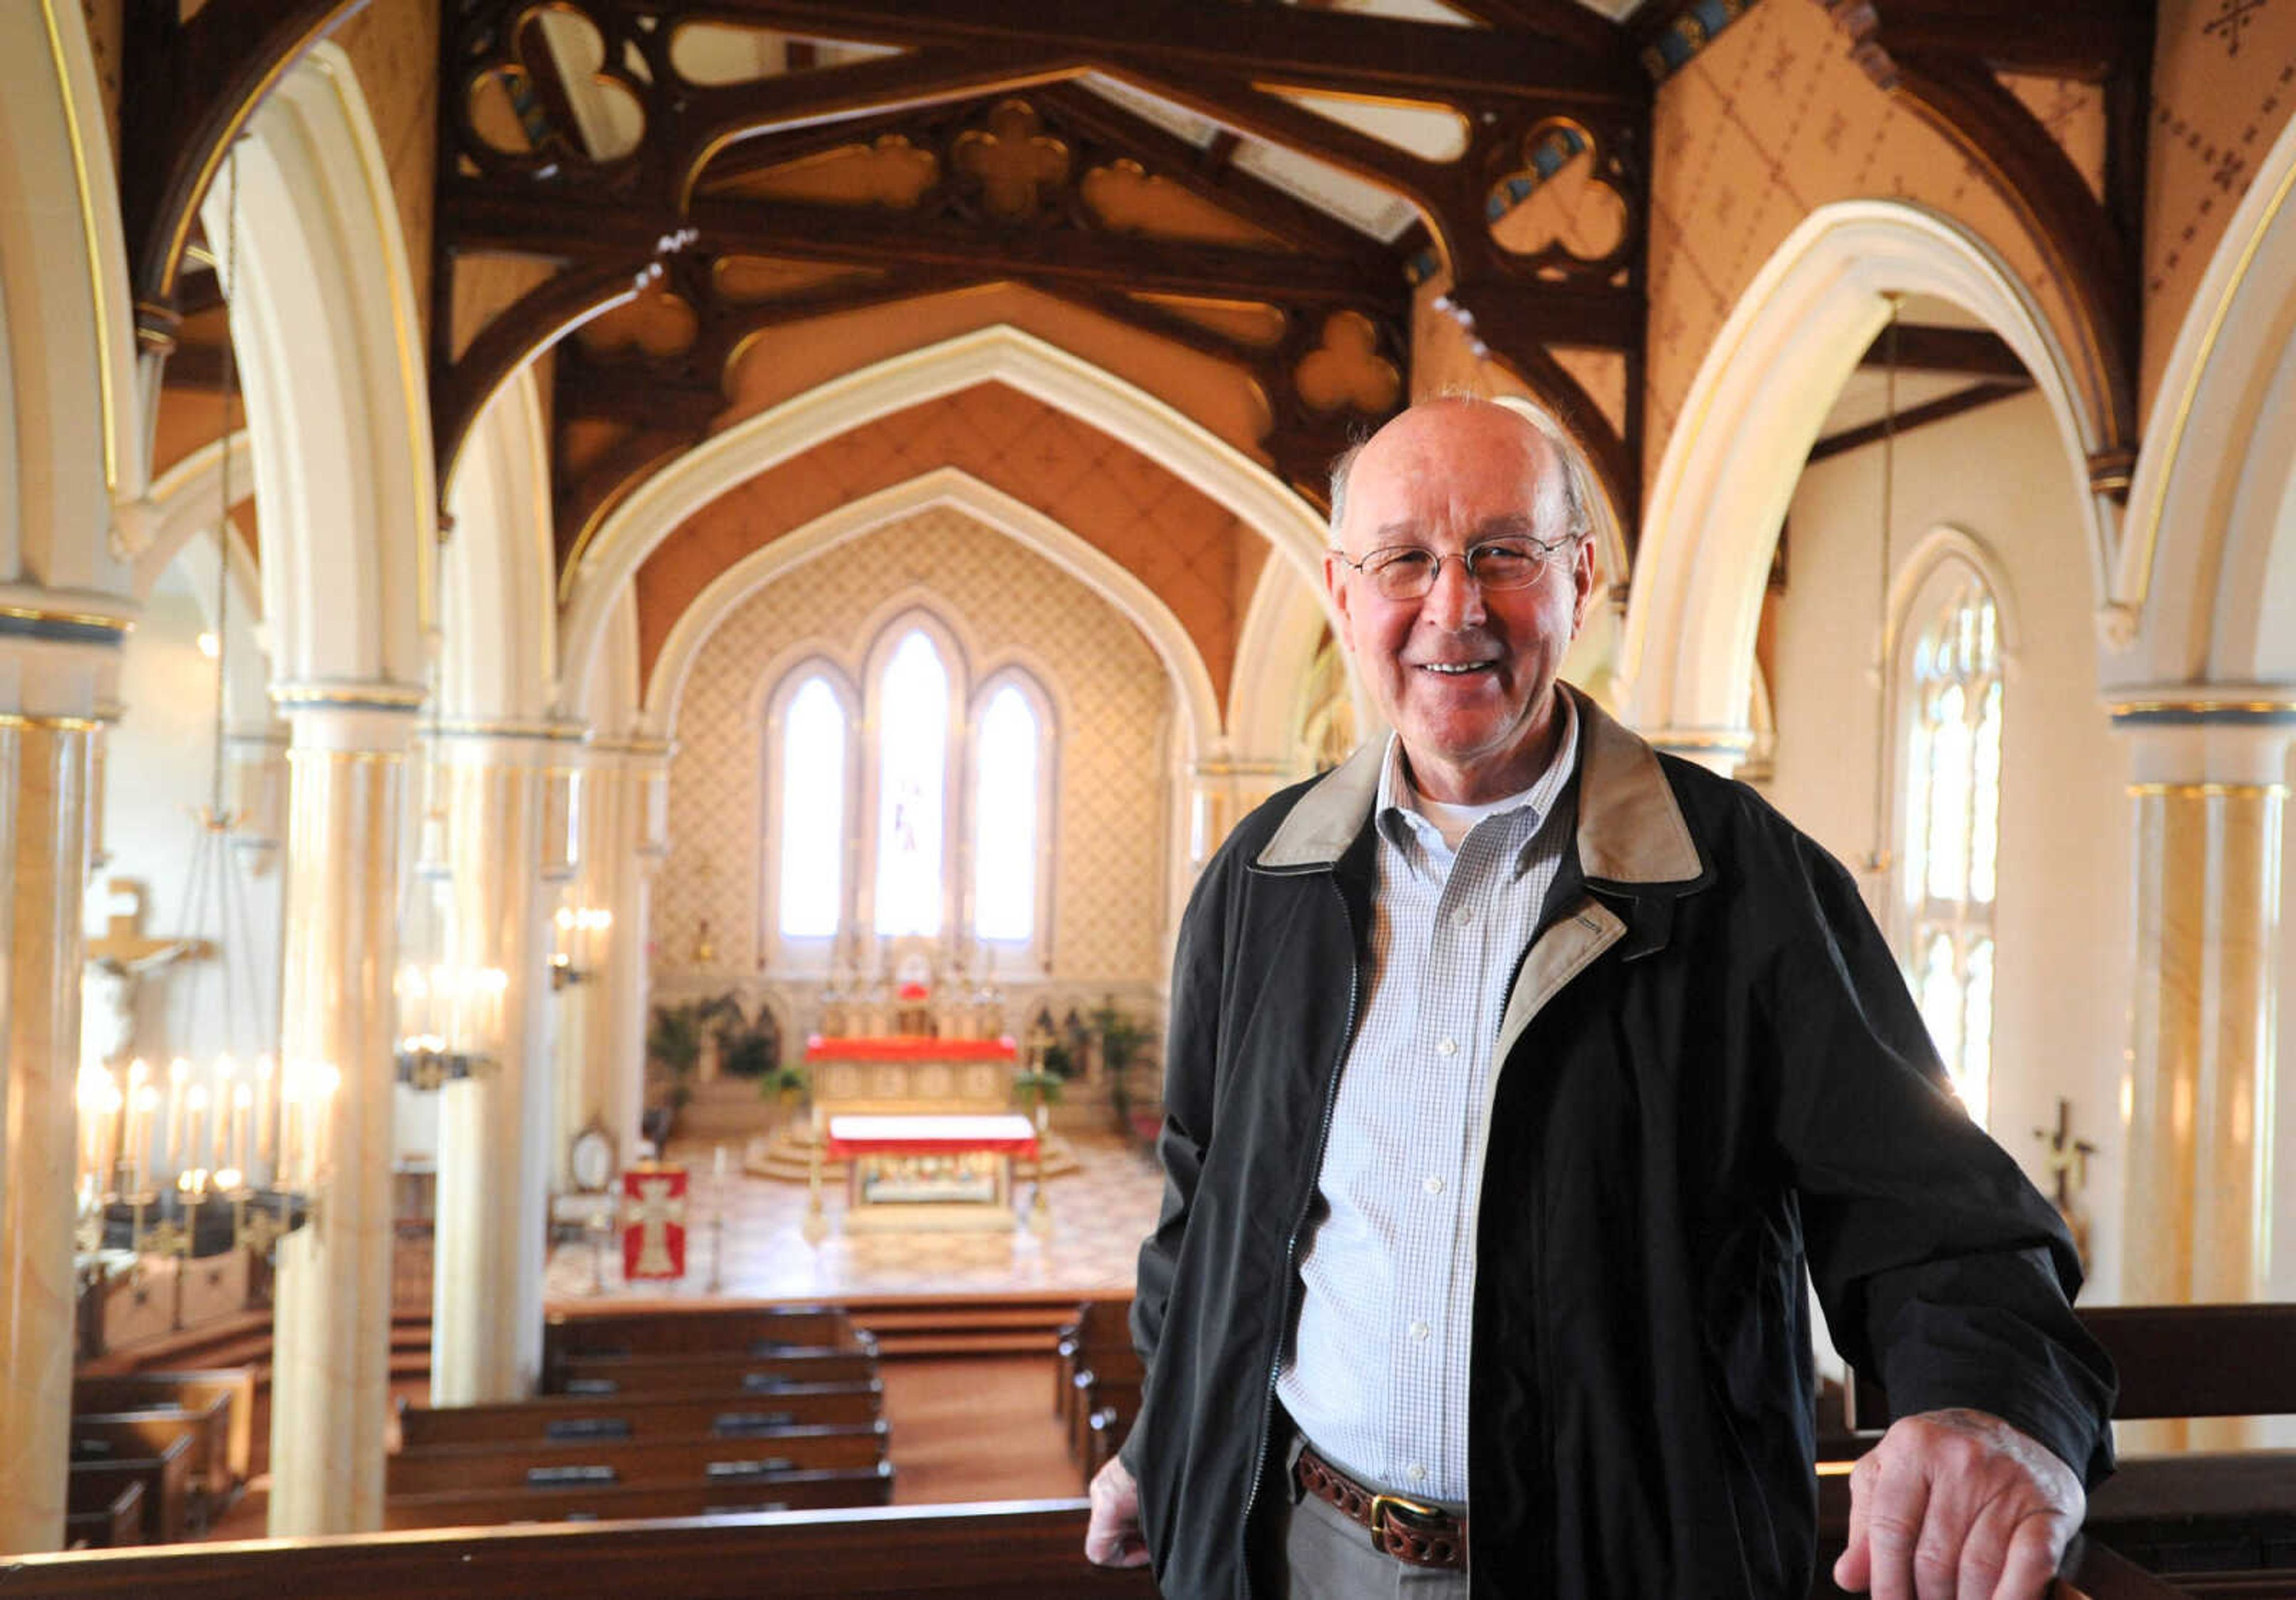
<point x="1408" y="571"/>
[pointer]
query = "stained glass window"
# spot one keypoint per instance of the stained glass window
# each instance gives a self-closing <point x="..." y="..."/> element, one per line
<point x="1004" y="818"/>
<point x="1952" y="816"/>
<point x="912" y="795"/>
<point x="813" y="812"/>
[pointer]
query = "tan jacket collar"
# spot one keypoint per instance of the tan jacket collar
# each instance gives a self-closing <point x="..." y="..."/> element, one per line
<point x="1631" y="830"/>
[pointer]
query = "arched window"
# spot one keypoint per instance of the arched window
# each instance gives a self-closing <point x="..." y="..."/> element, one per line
<point x="912" y="795"/>
<point x="812" y="782"/>
<point x="1008" y="767"/>
<point x="1951" y="688"/>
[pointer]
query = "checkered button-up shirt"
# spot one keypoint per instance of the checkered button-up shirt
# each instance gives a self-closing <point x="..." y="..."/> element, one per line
<point x="1376" y="1372"/>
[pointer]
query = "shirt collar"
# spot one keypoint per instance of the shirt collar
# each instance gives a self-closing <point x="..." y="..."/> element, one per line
<point x="1403" y="825"/>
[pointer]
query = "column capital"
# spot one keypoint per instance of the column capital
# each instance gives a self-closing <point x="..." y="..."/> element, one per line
<point x="508" y="742"/>
<point x="2232" y="737"/>
<point x="375" y="718"/>
<point x="59" y="652"/>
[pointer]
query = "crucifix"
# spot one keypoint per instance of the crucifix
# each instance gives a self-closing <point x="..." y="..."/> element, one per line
<point x="2067" y="1165"/>
<point x="118" y="962"/>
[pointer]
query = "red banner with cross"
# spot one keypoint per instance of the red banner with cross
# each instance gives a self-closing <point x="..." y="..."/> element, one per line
<point x="653" y="1222"/>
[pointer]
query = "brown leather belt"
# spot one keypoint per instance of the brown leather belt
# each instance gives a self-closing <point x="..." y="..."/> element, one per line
<point x="1420" y="1535"/>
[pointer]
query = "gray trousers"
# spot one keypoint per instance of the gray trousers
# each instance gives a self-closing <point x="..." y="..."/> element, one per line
<point x="1327" y="1557"/>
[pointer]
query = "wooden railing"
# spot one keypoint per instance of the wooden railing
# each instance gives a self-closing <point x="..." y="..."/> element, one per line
<point x="1026" y="1550"/>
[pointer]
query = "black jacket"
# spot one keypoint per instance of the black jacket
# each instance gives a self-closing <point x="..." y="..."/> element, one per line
<point x="1710" y="1069"/>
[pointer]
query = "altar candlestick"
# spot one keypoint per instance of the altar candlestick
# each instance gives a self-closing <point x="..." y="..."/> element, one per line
<point x="195" y="1123"/>
<point x="267" y="1110"/>
<point x="179" y="1072"/>
<point x="236" y="1153"/>
<point x="144" y="1101"/>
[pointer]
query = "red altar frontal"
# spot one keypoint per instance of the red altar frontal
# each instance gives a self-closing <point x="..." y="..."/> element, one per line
<point x="929" y="1173"/>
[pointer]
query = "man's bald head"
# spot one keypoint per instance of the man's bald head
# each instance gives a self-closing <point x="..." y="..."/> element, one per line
<point x="1565" y="497"/>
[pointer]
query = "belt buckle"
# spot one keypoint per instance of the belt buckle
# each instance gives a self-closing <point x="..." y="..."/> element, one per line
<point x="1384" y="1507"/>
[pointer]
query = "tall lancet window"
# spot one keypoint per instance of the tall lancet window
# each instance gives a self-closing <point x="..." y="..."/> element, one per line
<point x="912" y="792"/>
<point x="1953" y="822"/>
<point x="1007" y="760"/>
<point x="813" y="812"/>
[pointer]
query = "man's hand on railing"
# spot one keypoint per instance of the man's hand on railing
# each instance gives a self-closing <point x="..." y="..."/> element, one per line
<point x="1114" y="1538"/>
<point x="1955" y="1505"/>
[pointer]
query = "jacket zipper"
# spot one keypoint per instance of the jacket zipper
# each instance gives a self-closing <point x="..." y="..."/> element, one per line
<point x="1299" y="1220"/>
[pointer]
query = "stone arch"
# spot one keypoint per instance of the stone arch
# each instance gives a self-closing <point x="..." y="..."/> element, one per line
<point x="1001" y="354"/>
<point x="325" y="326"/>
<point x="1752" y="416"/>
<point x="70" y="445"/>
<point x="496" y="614"/>
<point x="960" y="491"/>
<point x="2206" y="577"/>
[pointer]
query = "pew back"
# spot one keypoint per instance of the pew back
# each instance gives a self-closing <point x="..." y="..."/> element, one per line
<point x="447" y="1468"/>
<point x="631" y="1417"/>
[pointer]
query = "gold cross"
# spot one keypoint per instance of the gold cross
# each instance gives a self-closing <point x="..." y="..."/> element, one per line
<point x="2068" y="1158"/>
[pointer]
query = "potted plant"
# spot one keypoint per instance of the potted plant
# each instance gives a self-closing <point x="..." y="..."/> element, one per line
<point x="674" y="1045"/>
<point x="786" y="1084"/>
<point x="1122" y="1038"/>
<point x="1039" y="1090"/>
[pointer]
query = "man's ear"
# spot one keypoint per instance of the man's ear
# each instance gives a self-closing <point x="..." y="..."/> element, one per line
<point x="1582" y="581"/>
<point x="1335" y="585"/>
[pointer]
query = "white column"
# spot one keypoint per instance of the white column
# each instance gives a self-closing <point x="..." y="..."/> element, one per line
<point x="331" y="1363"/>
<point x="44" y="768"/>
<point x="2207" y="789"/>
<point x="603" y="1024"/>
<point x="494" y="1128"/>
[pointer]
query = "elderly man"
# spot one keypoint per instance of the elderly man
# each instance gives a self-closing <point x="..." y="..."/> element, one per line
<point x="1513" y="1071"/>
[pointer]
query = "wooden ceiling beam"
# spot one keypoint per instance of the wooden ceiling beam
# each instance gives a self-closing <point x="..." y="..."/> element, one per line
<point x="1345" y="53"/>
<point x="2060" y="38"/>
<point x="1210" y="175"/>
<point x="1945" y="407"/>
<point x="1923" y="348"/>
<point x="187" y="90"/>
<point x="1565" y="21"/>
<point x="563" y="227"/>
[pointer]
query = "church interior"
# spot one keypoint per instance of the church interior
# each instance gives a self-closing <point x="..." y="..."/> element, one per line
<point x="629" y="622"/>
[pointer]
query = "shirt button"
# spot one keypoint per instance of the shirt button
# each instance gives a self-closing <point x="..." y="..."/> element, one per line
<point x="1448" y="1047"/>
<point x="1434" y="1185"/>
<point x="1418" y="1474"/>
<point x="1419" y="1330"/>
<point x="1463" y="916"/>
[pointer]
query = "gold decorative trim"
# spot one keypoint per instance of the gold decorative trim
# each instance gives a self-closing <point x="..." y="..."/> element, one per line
<point x="40" y="614"/>
<point x="373" y="697"/>
<point x="20" y="721"/>
<point x="2202" y="708"/>
<point x="2182" y="416"/>
<point x="555" y="732"/>
<point x="93" y="246"/>
<point x="347" y="757"/>
<point x="2208" y="791"/>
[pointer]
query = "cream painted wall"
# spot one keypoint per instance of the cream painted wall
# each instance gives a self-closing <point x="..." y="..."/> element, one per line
<point x="2063" y="916"/>
<point x="158" y="760"/>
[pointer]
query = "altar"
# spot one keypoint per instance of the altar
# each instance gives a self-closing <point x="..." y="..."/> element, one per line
<point x="929" y="1173"/>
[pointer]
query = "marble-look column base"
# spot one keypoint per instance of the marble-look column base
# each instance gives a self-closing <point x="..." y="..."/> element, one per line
<point x="330" y="1365"/>
<point x="44" y="787"/>
<point x="2208" y="814"/>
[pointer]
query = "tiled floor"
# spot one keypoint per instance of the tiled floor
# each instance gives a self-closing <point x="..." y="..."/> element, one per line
<point x="1099" y="1215"/>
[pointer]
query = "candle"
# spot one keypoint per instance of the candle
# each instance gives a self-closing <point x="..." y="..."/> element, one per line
<point x="226" y="1070"/>
<point x="236" y="1154"/>
<point x="195" y="1123"/>
<point x="718" y="1166"/>
<point x="267" y="1110"/>
<point x="179" y="1072"/>
<point x="144" y="1103"/>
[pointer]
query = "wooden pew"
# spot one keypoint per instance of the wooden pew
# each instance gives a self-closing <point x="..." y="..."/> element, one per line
<point x="99" y="1467"/>
<point x="230" y="1390"/>
<point x="2196" y="1516"/>
<point x="549" y="1417"/>
<point x="710" y="1373"/>
<point x="1099" y="1341"/>
<point x="212" y="1484"/>
<point x="102" y="1515"/>
<point x="828" y="1488"/>
<point x="765" y="1330"/>
<point x="440" y="1469"/>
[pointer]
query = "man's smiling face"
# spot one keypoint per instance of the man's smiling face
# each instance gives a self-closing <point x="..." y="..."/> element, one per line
<point x="1465" y="677"/>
